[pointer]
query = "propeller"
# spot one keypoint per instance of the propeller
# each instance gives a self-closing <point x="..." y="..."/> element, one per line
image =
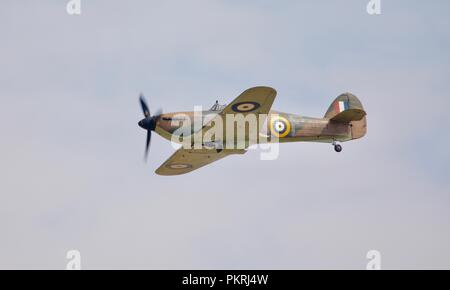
<point x="149" y="122"/>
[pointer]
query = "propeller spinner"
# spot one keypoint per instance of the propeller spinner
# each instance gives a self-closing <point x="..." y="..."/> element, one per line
<point x="148" y="123"/>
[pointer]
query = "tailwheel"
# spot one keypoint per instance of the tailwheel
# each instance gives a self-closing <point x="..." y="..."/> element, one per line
<point x="337" y="148"/>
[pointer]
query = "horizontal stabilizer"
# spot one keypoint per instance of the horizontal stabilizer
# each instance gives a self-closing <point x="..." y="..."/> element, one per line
<point x="349" y="115"/>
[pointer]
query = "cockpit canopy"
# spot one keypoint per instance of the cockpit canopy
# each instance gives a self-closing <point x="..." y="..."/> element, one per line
<point x="217" y="107"/>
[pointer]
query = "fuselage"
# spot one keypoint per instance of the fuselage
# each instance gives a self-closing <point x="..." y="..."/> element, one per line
<point x="286" y="127"/>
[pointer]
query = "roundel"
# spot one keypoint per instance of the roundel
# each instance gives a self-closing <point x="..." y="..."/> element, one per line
<point x="245" y="107"/>
<point x="179" y="166"/>
<point x="280" y="126"/>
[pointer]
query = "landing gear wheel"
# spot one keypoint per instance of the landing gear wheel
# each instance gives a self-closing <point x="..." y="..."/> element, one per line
<point x="337" y="148"/>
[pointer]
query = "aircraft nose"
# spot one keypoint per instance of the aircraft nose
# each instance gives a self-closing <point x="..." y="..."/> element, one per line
<point x="148" y="123"/>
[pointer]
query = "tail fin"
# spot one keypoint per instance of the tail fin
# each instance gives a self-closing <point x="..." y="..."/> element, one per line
<point x="345" y="108"/>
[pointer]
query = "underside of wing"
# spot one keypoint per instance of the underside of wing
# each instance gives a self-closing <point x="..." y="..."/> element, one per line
<point x="187" y="160"/>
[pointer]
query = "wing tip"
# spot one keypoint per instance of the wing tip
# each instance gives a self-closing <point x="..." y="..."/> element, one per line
<point x="170" y="172"/>
<point x="267" y="88"/>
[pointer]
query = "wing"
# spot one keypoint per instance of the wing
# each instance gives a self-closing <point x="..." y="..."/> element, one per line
<point x="257" y="100"/>
<point x="187" y="160"/>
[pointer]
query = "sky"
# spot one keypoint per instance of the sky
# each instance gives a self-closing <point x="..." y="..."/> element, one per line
<point x="72" y="174"/>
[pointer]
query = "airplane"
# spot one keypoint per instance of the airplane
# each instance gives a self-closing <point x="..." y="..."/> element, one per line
<point x="344" y="120"/>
